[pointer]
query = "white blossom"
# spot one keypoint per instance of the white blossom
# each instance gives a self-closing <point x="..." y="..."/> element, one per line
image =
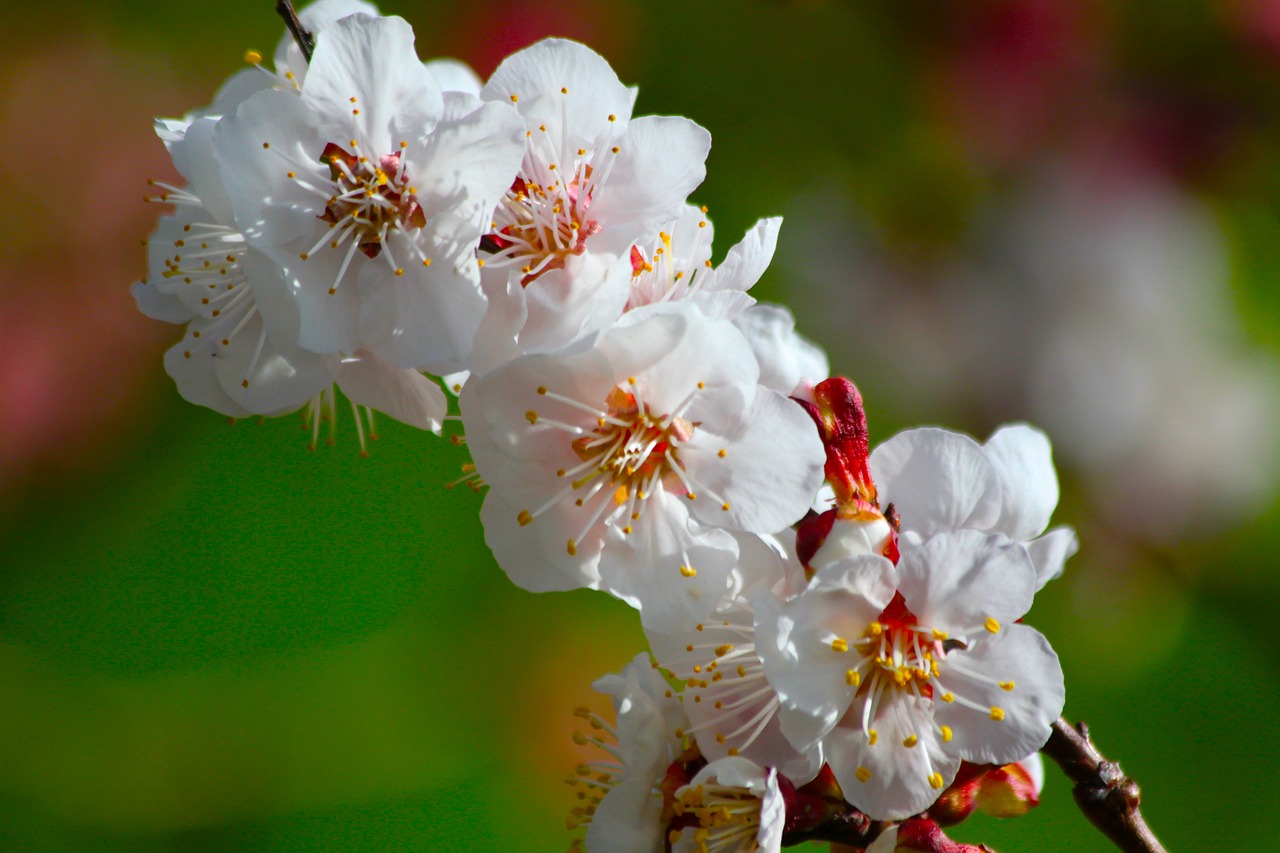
<point x="621" y="466"/>
<point x="902" y="672"/>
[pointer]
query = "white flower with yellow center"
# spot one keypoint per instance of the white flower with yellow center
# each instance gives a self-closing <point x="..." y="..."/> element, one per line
<point x="370" y="188"/>
<point x="593" y="183"/>
<point x="899" y="673"/>
<point x="621" y="466"/>
<point x="239" y="355"/>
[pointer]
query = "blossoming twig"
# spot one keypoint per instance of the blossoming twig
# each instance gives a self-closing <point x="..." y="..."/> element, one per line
<point x="1104" y="793"/>
<point x="304" y="37"/>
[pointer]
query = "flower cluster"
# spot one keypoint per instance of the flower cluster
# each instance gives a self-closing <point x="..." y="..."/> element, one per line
<point x="836" y="632"/>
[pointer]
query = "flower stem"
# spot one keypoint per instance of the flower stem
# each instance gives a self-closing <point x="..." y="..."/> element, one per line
<point x="305" y="38"/>
<point x="1106" y="796"/>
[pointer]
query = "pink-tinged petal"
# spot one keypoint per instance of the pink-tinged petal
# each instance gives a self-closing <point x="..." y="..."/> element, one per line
<point x="159" y="306"/>
<point x="405" y="395"/>
<point x="533" y="555"/>
<point x="890" y="780"/>
<point x="419" y="316"/>
<point x="662" y="159"/>
<point x="1050" y="552"/>
<point x="266" y="379"/>
<point x="787" y="359"/>
<point x="771" y="468"/>
<point x="1023" y="460"/>
<point x="966" y="583"/>
<point x="192" y="369"/>
<point x="575" y="304"/>
<point x="469" y="162"/>
<point x="673" y="573"/>
<point x="373" y="61"/>
<point x="797" y="643"/>
<point x="453" y="75"/>
<point x="937" y="479"/>
<point x="749" y="258"/>
<point x="1016" y="681"/>
<point x="566" y="86"/>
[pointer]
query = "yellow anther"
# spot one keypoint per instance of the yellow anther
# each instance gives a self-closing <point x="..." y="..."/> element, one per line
<point x="542" y="389"/>
<point x="852" y="678"/>
<point x="939" y="635"/>
<point x="723" y="453"/>
<point x="572" y="548"/>
<point x="742" y="671"/>
<point x="579" y="738"/>
<point x="564" y="90"/>
<point x="525" y="517"/>
<point x="688" y="571"/>
<point x="399" y="270"/>
<point x="1006" y="686"/>
<point x="997" y="714"/>
<point x="627" y="530"/>
<point x="426" y="262"/>
<point x="252" y="57"/>
<point x="724" y="506"/>
<point x="840" y="644"/>
<point x="947" y="734"/>
<point x="615" y="149"/>
<point x="948" y="697"/>
<point x="531" y="416"/>
<point x="862" y="774"/>
<point x="723" y="649"/>
<point x="992" y="625"/>
<point x="719" y="738"/>
<point x="875" y="629"/>
<point x="612" y="117"/>
<point x="935" y="781"/>
<point x="872" y="737"/>
<point x="910" y="741"/>
<point x="620" y="496"/>
<point x="515" y="98"/>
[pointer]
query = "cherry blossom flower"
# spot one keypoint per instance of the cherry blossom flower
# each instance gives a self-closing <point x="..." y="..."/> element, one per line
<point x="238" y="355"/>
<point x="620" y="466"/>
<point x="369" y="190"/>
<point x="901" y="672"/>
<point x="593" y="183"/>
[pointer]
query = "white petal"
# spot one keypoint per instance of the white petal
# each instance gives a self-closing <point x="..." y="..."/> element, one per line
<point x="505" y="314"/>
<point x="898" y="785"/>
<point x="469" y="161"/>
<point x="372" y="60"/>
<point x="787" y="359"/>
<point x="405" y="395"/>
<point x="159" y="306"/>
<point x="533" y="556"/>
<point x="937" y="479"/>
<point x="747" y="261"/>
<point x="628" y="820"/>
<point x="315" y="17"/>
<point x="574" y="304"/>
<point x="1023" y="460"/>
<point x="771" y="469"/>
<point x="650" y="567"/>
<point x="192" y="369"/>
<point x="1050" y="552"/>
<point x="956" y="581"/>
<point x="794" y="641"/>
<point x="427" y="317"/>
<point x="455" y="76"/>
<point x="663" y="160"/>
<point x="537" y="77"/>
<point x="267" y="379"/>
<point x="1019" y="657"/>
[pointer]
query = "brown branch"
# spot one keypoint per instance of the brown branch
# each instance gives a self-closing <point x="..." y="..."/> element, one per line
<point x="1106" y="796"/>
<point x="305" y="38"/>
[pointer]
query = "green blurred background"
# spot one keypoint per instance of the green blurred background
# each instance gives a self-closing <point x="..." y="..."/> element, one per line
<point x="1067" y="211"/>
